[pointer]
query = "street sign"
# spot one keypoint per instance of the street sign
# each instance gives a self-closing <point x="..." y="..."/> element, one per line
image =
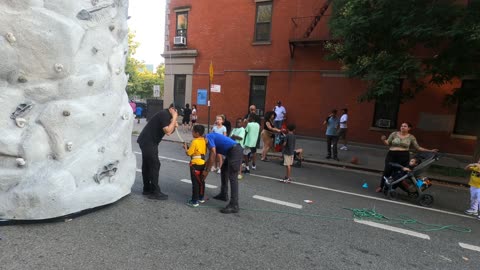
<point x="156" y="91"/>
<point x="216" y="88"/>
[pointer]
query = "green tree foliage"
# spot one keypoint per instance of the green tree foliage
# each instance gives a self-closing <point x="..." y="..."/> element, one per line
<point x="421" y="41"/>
<point x="140" y="80"/>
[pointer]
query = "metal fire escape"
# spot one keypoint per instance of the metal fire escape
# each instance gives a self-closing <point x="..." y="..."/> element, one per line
<point x="305" y="31"/>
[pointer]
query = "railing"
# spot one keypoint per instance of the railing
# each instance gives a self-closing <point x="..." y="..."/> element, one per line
<point x="312" y="28"/>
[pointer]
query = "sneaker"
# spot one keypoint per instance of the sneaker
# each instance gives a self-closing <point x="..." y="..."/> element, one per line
<point x="471" y="212"/>
<point x="288" y="181"/>
<point x="221" y="197"/>
<point x="219" y="171"/>
<point x="158" y="196"/>
<point x="328" y="157"/>
<point x="246" y="170"/>
<point x="344" y="148"/>
<point x="193" y="203"/>
<point x="201" y="200"/>
<point x="240" y="177"/>
<point x="230" y="209"/>
<point x="254" y="167"/>
<point x="284" y="179"/>
<point x="336" y="158"/>
<point x="213" y="169"/>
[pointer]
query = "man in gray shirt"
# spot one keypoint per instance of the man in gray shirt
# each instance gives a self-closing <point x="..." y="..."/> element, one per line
<point x="332" y="134"/>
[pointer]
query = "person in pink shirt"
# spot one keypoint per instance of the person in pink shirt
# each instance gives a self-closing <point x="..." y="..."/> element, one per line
<point x="133" y="105"/>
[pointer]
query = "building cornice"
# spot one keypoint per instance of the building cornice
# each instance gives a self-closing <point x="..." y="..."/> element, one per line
<point x="180" y="54"/>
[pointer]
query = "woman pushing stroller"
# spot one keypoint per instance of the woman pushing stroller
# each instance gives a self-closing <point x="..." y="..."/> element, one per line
<point x="400" y="143"/>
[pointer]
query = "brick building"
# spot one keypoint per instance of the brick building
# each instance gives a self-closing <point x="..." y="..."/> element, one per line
<point x="264" y="51"/>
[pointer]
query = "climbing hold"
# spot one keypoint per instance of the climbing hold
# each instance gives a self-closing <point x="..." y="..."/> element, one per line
<point x="94" y="2"/>
<point x="58" y="68"/>
<point x="84" y="15"/>
<point x="69" y="146"/>
<point x="101" y="149"/>
<point x="20" y="122"/>
<point x="118" y="71"/>
<point x="22" y="79"/>
<point x="10" y="37"/>
<point x="66" y="113"/>
<point x="111" y="27"/>
<point x="126" y="116"/>
<point x="90" y="83"/>
<point x="94" y="50"/>
<point x="20" y="162"/>
<point x="21" y="109"/>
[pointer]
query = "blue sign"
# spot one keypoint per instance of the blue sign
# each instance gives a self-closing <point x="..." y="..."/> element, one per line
<point x="202" y="97"/>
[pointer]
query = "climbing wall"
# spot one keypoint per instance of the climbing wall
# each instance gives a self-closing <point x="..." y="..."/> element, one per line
<point x="65" y="122"/>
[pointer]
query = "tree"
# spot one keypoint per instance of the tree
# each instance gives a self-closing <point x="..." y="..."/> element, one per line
<point x="140" y="80"/>
<point x="422" y="41"/>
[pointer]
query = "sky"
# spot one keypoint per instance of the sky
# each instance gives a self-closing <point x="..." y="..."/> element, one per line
<point x="147" y="19"/>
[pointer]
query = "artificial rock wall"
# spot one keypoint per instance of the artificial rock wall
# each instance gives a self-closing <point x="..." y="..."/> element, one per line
<point x="65" y="122"/>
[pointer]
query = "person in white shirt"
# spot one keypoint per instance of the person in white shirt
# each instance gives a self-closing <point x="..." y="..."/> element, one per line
<point x="281" y="115"/>
<point x="342" y="132"/>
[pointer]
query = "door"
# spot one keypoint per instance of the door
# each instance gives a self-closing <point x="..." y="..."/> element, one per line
<point x="179" y="88"/>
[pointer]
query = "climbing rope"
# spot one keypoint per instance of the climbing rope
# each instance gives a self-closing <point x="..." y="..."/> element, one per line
<point x="372" y="215"/>
<point x="367" y="214"/>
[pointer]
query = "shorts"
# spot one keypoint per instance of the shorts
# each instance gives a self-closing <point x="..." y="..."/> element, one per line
<point x="288" y="160"/>
<point x="342" y="133"/>
<point x="194" y="121"/>
<point x="246" y="151"/>
<point x="185" y="120"/>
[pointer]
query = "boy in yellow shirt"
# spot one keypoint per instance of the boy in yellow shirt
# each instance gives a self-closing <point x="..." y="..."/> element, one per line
<point x="197" y="151"/>
<point x="474" y="188"/>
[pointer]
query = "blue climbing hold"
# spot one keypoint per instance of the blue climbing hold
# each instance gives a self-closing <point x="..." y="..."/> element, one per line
<point x="365" y="185"/>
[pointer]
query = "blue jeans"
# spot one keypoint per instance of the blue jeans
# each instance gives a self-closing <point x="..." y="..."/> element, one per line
<point x="278" y="123"/>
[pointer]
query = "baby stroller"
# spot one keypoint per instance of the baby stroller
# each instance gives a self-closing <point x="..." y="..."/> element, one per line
<point x="411" y="182"/>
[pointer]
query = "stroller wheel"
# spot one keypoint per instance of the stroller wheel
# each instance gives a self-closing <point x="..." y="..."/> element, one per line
<point x="425" y="200"/>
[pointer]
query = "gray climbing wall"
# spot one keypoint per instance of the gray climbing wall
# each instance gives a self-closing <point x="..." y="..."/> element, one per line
<point x="65" y="122"/>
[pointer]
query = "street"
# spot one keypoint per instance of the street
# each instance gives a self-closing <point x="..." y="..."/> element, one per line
<point x="275" y="229"/>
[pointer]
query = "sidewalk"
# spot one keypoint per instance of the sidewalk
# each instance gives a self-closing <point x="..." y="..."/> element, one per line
<point x="370" y="157"/>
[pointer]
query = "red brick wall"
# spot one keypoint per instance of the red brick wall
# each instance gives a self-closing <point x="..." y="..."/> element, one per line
<point x="223" y="33"/>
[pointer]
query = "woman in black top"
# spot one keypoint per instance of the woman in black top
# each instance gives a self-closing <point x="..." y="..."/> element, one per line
<point x="268" y="133"/>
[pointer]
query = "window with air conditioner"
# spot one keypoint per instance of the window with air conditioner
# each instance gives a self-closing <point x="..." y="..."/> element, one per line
<point x="181" y="29"/>
<point x="386" y="111"/>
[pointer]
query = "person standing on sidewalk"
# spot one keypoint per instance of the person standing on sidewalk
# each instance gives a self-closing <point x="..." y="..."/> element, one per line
<point x="399" y="143"/>
<point x="252" y="111"/>
<point x="281" y="115"/>
<point x="252" y="130"/>
<point x="342" y="132"/>
<point x="332" y="135"/>
<point x="162" y="123"/>
<point x="474" y="189"/>
<point x="233" y="152"/>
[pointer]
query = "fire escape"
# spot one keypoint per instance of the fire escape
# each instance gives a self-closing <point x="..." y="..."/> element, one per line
<point x="310" y="31"/>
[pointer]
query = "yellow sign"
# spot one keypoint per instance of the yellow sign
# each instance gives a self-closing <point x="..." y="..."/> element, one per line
<point x="211" y="71"/>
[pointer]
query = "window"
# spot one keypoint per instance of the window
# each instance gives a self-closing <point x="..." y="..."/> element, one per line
<point x="467" y="109"/>
<point x="182" y="24"/>
<point x="386" y="112"/>
<point x="258" y="90"/>
<point x="263" y="21"/>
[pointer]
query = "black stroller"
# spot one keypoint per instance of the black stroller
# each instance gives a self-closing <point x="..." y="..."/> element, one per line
<point x="411" y="182"/>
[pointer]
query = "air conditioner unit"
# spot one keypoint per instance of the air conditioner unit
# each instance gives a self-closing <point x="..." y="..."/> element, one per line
<point x="384" y="123"/>
<point x="179" y="40"/>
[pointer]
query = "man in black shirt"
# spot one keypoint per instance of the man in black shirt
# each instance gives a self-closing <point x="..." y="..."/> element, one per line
<point x="162" y="123"/>
<point x="186" y="118"/>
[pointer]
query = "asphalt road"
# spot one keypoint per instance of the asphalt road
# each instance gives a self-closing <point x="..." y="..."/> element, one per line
<point x="138" y="233"/>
